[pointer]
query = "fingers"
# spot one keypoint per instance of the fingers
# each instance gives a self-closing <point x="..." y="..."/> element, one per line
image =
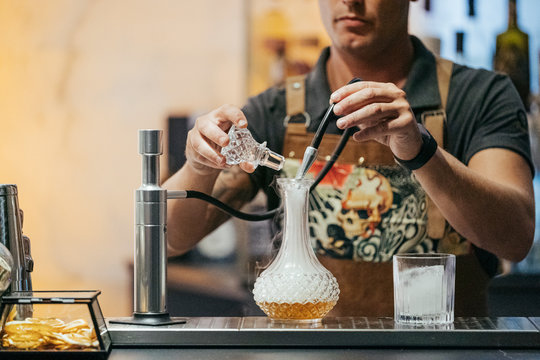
<point x="382" y="129"/>
<point x="376" y="87"/>
<point x="354" y="96"/>
<point x="380" y="111"/>
<point x="217" y="123"/>
<point x="247" y="167"/>
<point x="209" y="135"/>
<point x="201" y="152"/>
<point x="212" y="132"/>
<point x="370" y="104"/>
<point x="370" y="115"/>
<point x="227" y="115"/>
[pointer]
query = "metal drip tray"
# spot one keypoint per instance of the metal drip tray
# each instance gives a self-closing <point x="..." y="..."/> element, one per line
<point x="485" y="332"/>
<point x="536" y="321"/>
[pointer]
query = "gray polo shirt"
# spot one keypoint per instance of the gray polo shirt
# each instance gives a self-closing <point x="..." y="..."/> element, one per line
<point x="483" y="111"/>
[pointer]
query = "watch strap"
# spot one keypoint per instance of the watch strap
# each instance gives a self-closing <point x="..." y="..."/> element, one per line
<point x="427" y="150"/>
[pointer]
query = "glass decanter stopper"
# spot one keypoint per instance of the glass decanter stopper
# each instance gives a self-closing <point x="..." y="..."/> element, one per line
<point x="243" y="148"/>
<point x="295" y="286"/>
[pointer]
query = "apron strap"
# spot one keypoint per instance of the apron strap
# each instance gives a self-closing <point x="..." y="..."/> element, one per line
<point x="295" y="92"/>
<point x="435" y="123"/>
<point x="357" y="298"/>
<point x="444" y="73"/>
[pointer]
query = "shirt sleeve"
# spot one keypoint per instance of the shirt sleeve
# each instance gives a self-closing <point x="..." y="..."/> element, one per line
<point x="501" y="121"/>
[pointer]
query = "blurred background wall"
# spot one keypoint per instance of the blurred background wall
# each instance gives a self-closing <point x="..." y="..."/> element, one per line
<point x="78" y="78"/>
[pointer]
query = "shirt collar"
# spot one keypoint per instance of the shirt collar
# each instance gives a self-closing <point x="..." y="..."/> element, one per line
<point x="421" y="86"/>
<point x="319" y="90"/>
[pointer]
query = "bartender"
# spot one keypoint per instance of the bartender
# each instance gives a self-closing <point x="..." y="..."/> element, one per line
<point x="440" y="160"/>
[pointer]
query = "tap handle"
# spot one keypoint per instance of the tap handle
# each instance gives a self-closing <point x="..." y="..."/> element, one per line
<point x="28" y="261"/>
<point x="150" y="142"/>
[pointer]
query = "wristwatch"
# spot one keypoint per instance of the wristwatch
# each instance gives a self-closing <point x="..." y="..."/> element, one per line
<point x="427" y="150"/>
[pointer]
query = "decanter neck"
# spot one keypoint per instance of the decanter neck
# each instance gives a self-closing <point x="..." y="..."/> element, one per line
<point x="296" y="252"/>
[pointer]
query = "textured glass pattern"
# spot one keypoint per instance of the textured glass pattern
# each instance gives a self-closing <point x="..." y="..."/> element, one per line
<point x="424" y="288"/>
<point x="242" y="147"/>
<point x="296" y="296"/>
<point x="297" y="288"/>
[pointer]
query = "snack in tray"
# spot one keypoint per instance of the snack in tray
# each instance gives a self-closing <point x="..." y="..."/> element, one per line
<point x="48" y="334"/>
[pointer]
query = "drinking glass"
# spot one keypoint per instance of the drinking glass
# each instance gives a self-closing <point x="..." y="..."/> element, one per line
<point x="424" y="288"/>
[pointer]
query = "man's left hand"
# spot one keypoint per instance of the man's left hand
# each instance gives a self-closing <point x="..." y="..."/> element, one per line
<point x="382" y="113"/>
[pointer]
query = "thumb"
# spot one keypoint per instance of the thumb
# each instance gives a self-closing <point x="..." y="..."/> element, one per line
<point x="247" y="167"/>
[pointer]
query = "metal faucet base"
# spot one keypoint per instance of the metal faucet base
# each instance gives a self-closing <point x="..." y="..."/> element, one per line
<point x="150" y="320"/>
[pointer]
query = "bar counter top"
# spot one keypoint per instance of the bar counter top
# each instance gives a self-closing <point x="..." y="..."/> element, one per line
<point x="334" y="338"/>
<point x="320" y="354"/>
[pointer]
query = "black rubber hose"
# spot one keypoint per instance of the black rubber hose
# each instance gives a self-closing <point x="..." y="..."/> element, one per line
<point x="229" y="210"/>
<point x="335" y="154"/>
<point x="271" y="213"/>
<point x="329" y="115"/>
<point x="315" y="143"/>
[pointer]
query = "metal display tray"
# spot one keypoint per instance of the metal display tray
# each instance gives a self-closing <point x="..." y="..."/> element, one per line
<point x="471" y="332"/>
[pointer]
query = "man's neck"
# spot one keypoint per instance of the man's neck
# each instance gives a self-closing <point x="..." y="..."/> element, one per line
<point x="389" y="65"/>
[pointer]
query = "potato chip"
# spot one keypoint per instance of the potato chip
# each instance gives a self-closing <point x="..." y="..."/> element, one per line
<point x="47" y="334"/>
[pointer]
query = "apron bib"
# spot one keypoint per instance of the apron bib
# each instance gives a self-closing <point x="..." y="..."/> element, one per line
<point x="368" y="208"/>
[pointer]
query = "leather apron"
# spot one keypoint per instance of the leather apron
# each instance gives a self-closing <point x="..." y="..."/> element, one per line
<point x="366" y="287"/>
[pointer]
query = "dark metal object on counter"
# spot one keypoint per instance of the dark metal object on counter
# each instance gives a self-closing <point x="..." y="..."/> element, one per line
<point x="11" y="236"/>
<point x="150" y="263"/>
<point x="470" y="332"/>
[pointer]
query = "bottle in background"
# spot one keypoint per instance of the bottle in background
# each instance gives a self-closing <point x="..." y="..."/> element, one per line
<point x="512" y="54"/>
<point x="460" y="52"/>
<point x="472" y="8"/>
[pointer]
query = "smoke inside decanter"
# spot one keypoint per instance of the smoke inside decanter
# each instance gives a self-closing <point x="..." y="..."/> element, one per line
<point x="295" y="286"/>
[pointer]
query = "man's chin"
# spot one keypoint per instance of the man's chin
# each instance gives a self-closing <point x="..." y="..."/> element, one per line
<point x="357" y="45"/>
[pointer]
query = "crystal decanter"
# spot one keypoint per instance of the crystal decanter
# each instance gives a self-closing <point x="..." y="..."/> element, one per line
<point x="295" y="286"/>
<point x="243" y="148"/>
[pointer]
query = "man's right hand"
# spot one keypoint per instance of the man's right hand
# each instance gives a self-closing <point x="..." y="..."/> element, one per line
<point x="190" y="220"/>
<point x="209" y="135"/>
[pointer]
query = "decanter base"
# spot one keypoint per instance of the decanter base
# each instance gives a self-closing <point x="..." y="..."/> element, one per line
<point x="298" y="322"/>
<point x="298" y="312"/>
